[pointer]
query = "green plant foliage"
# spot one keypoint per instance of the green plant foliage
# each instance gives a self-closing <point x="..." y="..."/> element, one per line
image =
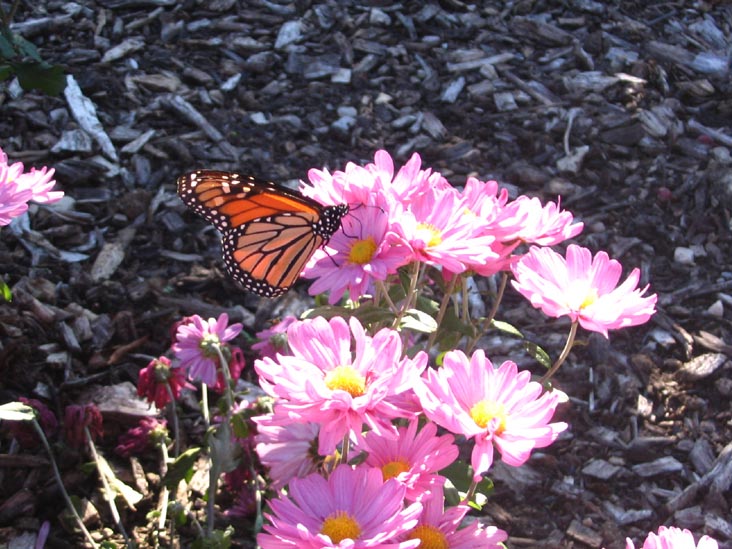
<point x="19" y="57"/>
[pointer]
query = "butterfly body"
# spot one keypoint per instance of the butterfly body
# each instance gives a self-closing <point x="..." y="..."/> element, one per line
<point x="269" y="232"/>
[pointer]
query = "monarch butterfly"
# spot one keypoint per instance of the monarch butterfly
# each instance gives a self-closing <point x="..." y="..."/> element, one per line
<point x="269" y="232"/>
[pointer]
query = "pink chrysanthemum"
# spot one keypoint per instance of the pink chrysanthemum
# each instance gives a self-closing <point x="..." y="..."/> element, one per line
<point x="274" y="340"/>
<point x="440" y="527"/>
<point x="351" y="263"/>
<point x="196" y="343"/>
<point x="527" y="220"/>
<point x="353" y="508"/>
<point x="437" y="231"/>
<point x="498" y="407"/>
<point x="325" y="382"/>
<point x="17" y="188"/>
<point x="583" y="288"/>
<point x="288" y="449"/>
<point x="413" y="458"/>
<point x="674" y="538"/>
<point x="154" y="379"/>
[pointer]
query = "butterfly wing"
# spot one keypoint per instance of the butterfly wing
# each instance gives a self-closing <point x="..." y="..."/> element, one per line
<point x="270" y="233"/>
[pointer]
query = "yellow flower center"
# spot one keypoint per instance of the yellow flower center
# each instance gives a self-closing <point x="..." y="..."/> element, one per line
<point x="394" y="468"/>
<point x="362" y="251"/>
<point x="486" y="411"/>
<point x="339" y="526"/>
<point x="430" y="234"/>
<point x="590" y="298"/>
<point x="430" y="536"/>
<point x="346" y="378"/>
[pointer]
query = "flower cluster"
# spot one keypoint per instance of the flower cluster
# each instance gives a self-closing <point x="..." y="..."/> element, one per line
<point x="18" y="187"/>
<point x="415" y="215"/>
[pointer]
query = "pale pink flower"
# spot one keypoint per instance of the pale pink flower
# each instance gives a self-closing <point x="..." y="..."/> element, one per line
<point x="196" y="342"/>
<point x="498" y="407"/>
<point x="357" y="255"/>
<point x="438" y="232"/>
<point x="353" y="508"/>
<point x="674" y="538"/>
<point x="326" y="382"/>
<point x="288" y="449"/>
<point x="17" y="188"/>
<point x="273" y="340"/>
<point x="527" y="220"/>
<point x="413" y="458"/>
<point x="583" y="288"/>
<point x="440" y="527"/>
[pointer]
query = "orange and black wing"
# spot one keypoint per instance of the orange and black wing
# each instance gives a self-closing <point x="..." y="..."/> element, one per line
<point x="269" y="232"/>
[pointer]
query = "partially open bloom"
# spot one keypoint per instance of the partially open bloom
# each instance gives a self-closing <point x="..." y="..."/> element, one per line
<point x="235" y="359"/>
<point x="325" y="382"/>
<point x="583" y="288"/>
<point x="155" y="378"/>
<point x="413" y="458"/>
<point x="440" y="527"/>
<point x="497" y="407"/>
<point x="77" y="419"/>
<point x="197" y="342"/>
<point x="25" y="433"/>
<point x="273" y="340"/>
<point x="528" y="220"/>
<point x="674" y="538"/>
<point x="288" y="449"/>
<point x="148" y="432"/>
<point x="352" y="508"/>
<point x="18" y="187"/>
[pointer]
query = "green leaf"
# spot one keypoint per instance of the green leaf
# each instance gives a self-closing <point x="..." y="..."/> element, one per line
<point x="6" y="71"/>
<point x="538" y="354"/>
<point x="507" y="328"/>
<point x="17" y="411"/>
<point x="7" y="51"/>
<point x="4" y="288"/>
<point x="219" y="539"/>
<point x="239" y="426"/>
<point x="418" y="321"/>
<point x="181" y="468"/>
<point x="49" y="79"/>
<point x="27" y="49"/>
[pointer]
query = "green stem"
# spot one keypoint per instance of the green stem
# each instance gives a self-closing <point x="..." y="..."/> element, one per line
<point x="411" y="297"/>
<point x="174" y="417"/>
<point x="491" y="315"/>
<point x="346" y="448"/>
<point x="204" y="405"/>
<point x="471" y="492"/>
<point x="108" y="492"/>
<point x="443" y="309"/>
<point x="563" y="356"/>
<point x="61" y="486"/>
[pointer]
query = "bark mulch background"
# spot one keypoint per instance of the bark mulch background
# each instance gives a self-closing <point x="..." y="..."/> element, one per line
<point x="622" y="108"/>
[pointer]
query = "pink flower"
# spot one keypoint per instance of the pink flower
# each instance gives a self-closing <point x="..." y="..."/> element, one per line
<point x="17" y="188"/>
<point x="77" y="418"/>
<point x="582" y="287"/>
<point x="527" y="220"/>
<point x="353" y="508"/>
<point x="439" y="527"/>
<point x="358" y="254"/>
<point x="437" y="231"/>
<point x="412" y="459"/>
<point x="149" y="432"/>
<point x="288" y="449"/>
<point x="155" y="378"/>
<point x="274" y="340"/>
<point x="196" y="344"/>
<point x="674" y="538"/>
<point x="495" y="406"/>
<point x="325" y="382"/>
